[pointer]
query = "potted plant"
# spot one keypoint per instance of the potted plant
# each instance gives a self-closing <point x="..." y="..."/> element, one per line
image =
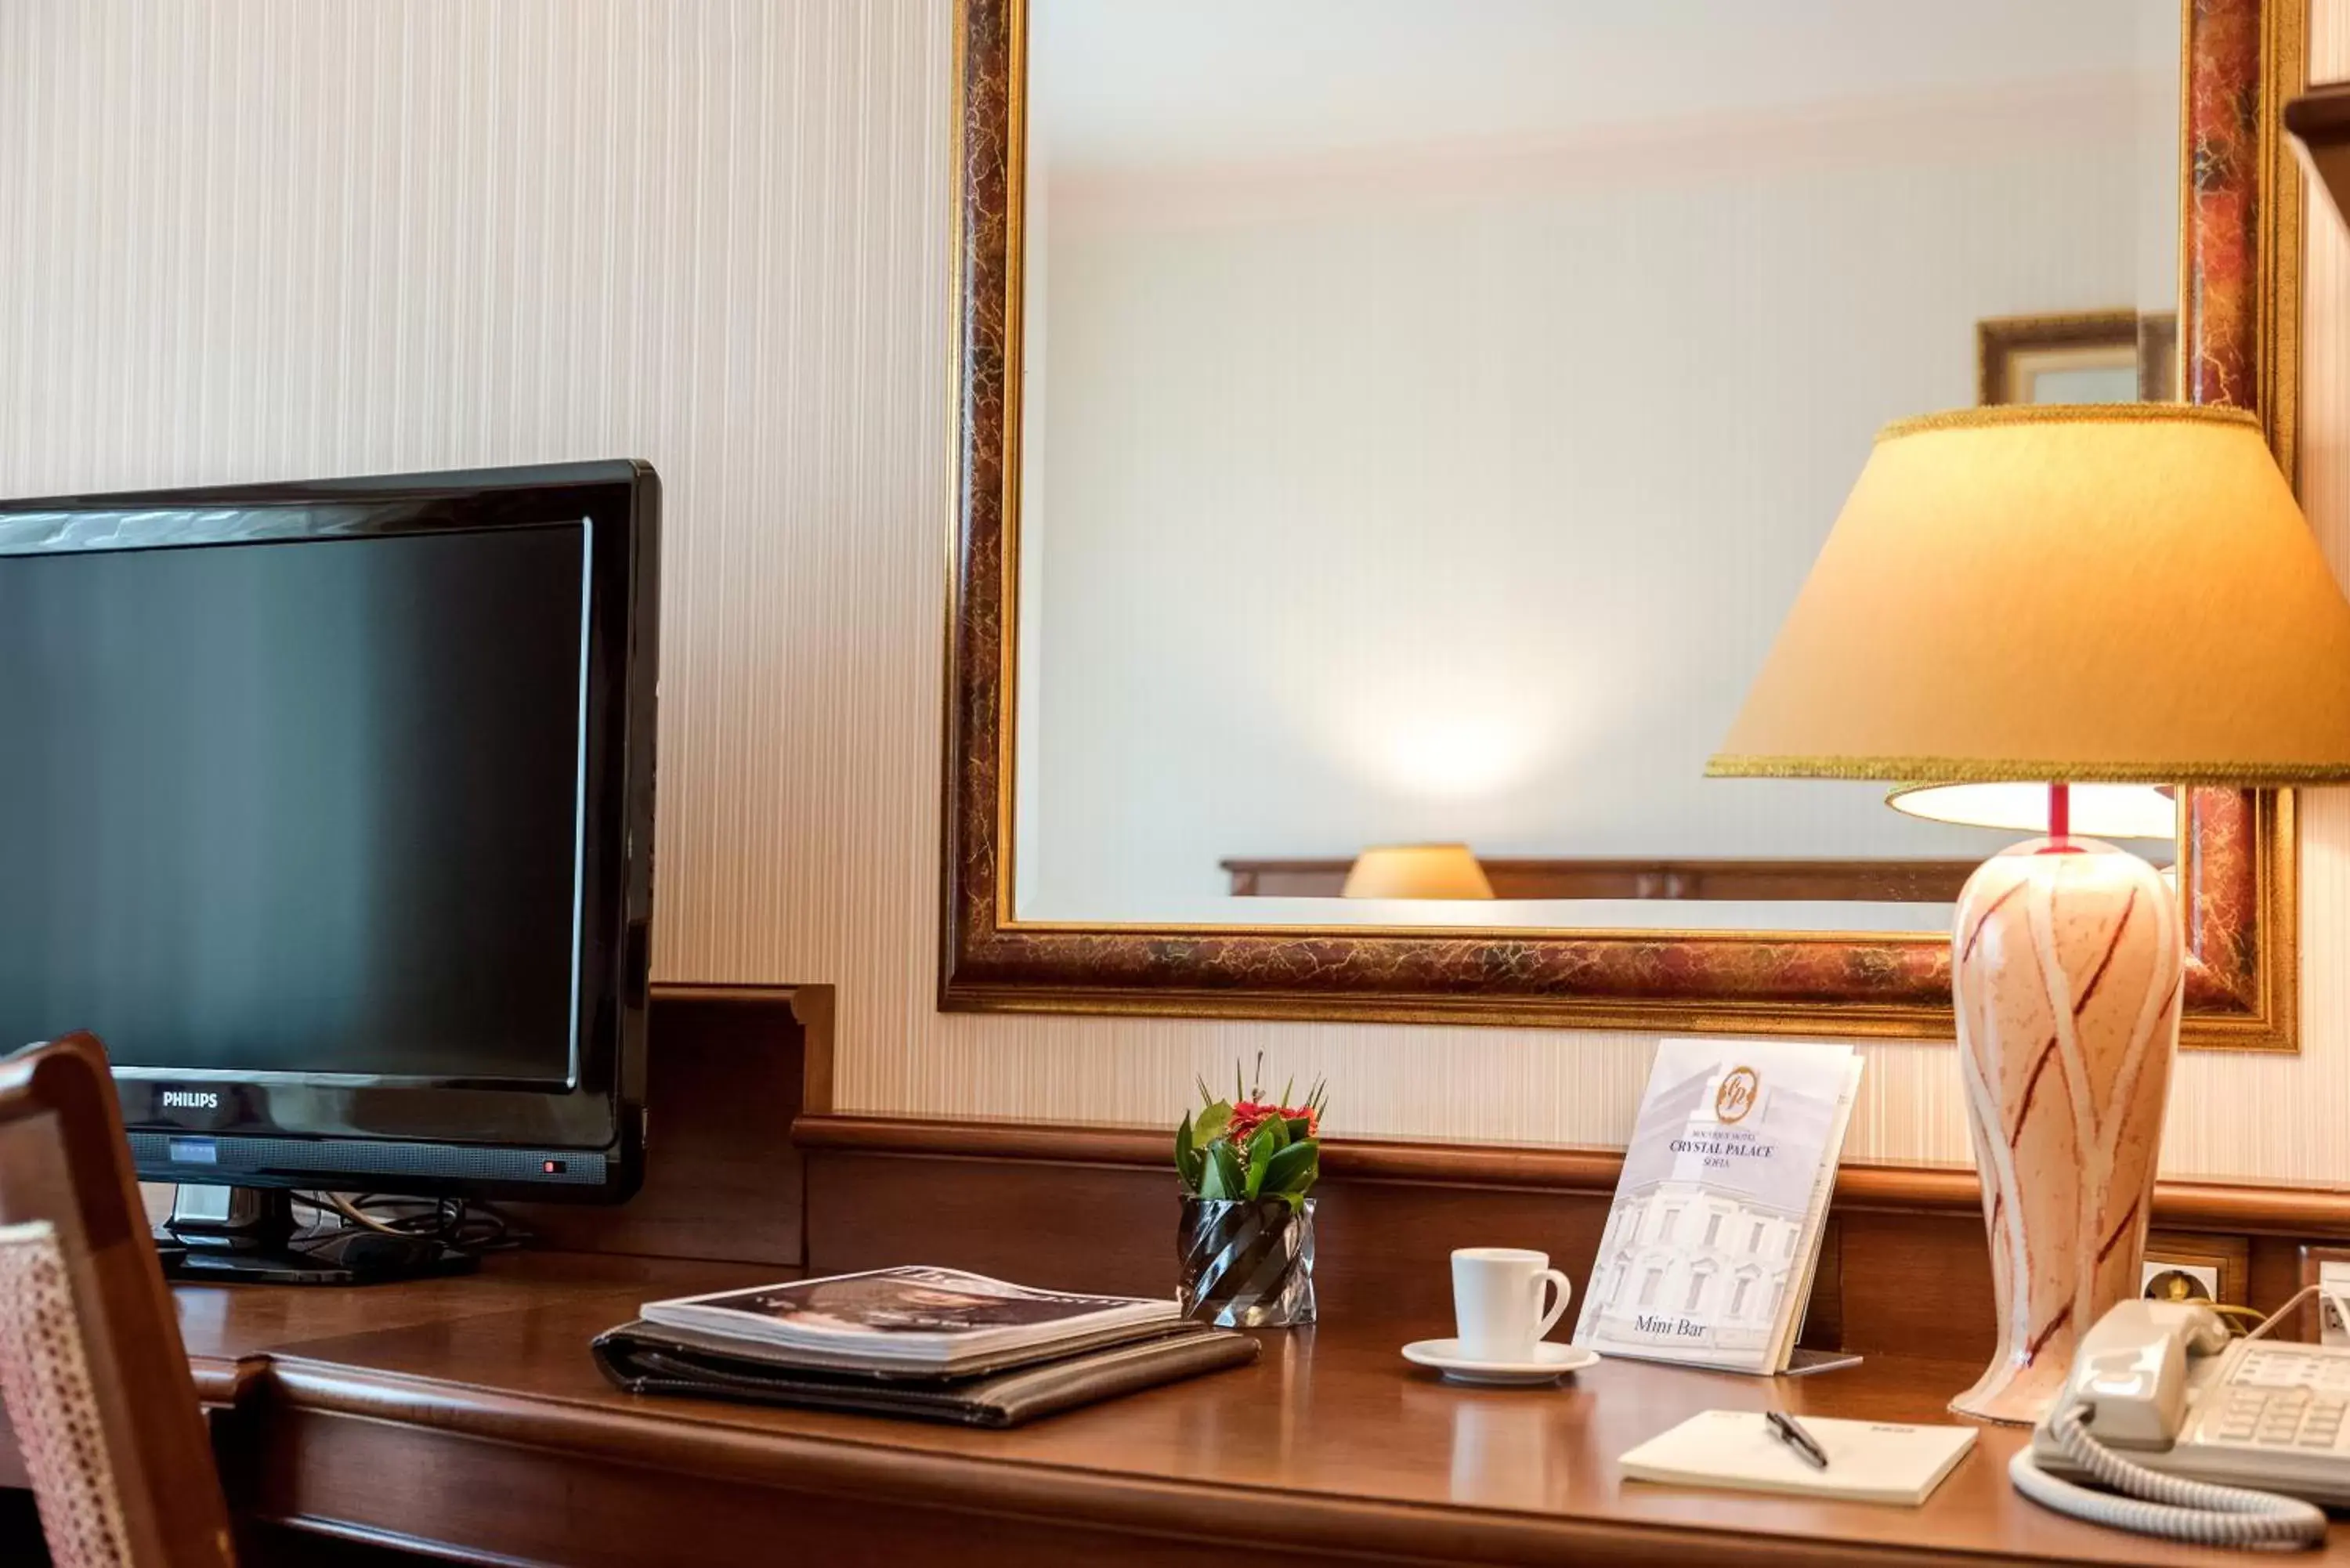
<point x="1246" y="1242"/>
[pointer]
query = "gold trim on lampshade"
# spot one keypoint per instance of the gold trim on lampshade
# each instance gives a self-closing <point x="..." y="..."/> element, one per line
<point x="2120" y="592"/>
<point x="1417" y="871"/>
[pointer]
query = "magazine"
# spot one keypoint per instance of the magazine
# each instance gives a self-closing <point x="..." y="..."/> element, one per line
<point x="906" y="1317"/>
<point x="1709" y="1250"/>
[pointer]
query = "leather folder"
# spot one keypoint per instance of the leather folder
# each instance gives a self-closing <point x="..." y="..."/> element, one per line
<point x="649" y="1358"/>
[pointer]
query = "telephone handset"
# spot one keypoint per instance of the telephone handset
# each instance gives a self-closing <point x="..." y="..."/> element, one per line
<point x="2198" y="1414"/>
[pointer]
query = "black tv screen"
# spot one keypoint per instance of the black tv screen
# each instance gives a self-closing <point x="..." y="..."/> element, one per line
<point x="328" y="807"/>
<point x="307" y="806"/>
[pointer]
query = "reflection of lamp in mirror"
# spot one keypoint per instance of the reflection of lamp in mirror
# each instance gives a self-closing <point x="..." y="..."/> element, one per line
<point x="1416" y="871"/>
<point x="2120" y="593"/>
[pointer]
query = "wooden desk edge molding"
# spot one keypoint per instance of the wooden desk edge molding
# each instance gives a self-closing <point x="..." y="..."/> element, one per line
<point x="2178" y="1205"/>
<point x="1144" y="1514"/>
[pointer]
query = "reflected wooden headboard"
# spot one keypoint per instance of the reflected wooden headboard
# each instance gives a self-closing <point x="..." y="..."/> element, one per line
<point x="1876" y="881"/>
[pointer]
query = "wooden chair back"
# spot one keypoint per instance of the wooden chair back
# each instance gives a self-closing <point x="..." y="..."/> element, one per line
<point x="92" y="1372"/>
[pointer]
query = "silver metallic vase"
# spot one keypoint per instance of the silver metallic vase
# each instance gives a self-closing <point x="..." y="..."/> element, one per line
<point x="1247" y="1265"/>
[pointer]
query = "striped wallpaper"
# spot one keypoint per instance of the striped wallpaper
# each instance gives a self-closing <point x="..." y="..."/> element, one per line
<point x="271" y="238"/>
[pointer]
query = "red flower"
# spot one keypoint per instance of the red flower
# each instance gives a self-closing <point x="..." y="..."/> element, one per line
<point x="1250" y="1115"/>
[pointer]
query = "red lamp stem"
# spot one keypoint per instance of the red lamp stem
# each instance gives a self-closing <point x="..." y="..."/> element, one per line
<point x="2060" y="812"/>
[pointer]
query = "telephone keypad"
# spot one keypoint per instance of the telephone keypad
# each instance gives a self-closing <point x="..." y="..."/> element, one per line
<point x="2284" y="1398"/>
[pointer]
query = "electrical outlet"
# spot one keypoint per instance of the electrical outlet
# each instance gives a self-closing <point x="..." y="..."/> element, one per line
<point x="2169" y="1272"/>
<point x="2326" y="1319"/>
<point x="2186" y="1265"/>
<point x="2333" y="1281"/>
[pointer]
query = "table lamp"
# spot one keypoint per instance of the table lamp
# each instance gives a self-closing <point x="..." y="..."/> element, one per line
<point x="1416" y="871"/>
<point x="2050" y="595"/>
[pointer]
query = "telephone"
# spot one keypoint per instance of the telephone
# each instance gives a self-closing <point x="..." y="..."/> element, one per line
<point x="2198" y="1414"/>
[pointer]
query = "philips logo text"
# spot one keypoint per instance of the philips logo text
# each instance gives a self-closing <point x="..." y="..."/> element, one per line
<point x="191" y="1100"/>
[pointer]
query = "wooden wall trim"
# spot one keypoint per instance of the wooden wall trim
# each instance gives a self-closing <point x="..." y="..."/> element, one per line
<point x="812" y="1007"/>
<point x="2178" y="1205"/>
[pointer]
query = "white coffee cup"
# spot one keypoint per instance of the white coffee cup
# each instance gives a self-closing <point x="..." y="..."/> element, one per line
<point x="1497" y="1301"/>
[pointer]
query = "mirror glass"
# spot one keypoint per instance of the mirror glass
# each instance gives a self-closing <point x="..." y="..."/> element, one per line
<point x="1428" y="410"/>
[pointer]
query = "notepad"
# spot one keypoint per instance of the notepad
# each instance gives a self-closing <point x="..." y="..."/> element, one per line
<point x="1869" y="1461"/>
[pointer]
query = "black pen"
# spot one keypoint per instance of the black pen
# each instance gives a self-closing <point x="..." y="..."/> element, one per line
<point x="1783" y="1427"/>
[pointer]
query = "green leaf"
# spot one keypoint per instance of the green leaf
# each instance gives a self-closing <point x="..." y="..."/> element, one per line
<point x="1188" y="1160"/>
<point x="1300" y="1129"/>
<point x="1263" y="1145"/>
<point x="1292" y="1172"/>
<point x="1277" y="1127"/>
<point x="1221" y="1176"/>
<point x="1209" y="1124"/>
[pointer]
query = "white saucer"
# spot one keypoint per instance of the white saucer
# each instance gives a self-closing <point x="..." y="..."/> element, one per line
<point x="1550" y="1362"/>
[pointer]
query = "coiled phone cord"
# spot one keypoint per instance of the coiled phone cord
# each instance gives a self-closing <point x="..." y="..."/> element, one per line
<point x="2202" y="1512"/>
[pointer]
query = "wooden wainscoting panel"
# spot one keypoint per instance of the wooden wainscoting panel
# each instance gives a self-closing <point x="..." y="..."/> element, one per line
<point x="1383" y="1247"/>
<point x="1058" y="1226"/>
<point x="2269" y="1209"/>
<point x="1904" y="1269"/>
<point x="1916" y="1285"/>
<point x="1823" y="1325"/>
<point x="725" y="1075"/>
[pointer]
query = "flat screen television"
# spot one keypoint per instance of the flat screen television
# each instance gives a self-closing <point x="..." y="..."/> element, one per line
<point x="328" y="807"/>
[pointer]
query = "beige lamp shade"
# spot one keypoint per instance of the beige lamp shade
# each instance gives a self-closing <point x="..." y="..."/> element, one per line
<point x="2120" y="592"/>
<point x="1417" y="871"/>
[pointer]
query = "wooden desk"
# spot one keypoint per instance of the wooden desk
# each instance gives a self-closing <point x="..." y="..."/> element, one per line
<point x="464" y="1418"/>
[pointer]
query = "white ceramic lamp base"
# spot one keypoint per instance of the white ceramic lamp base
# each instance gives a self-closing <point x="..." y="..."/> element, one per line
<point x="2065" y="967"/>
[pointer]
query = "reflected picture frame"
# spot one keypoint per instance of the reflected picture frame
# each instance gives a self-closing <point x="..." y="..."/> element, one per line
<point x="2238" y="323"/>
<point x="2080" y="357"/>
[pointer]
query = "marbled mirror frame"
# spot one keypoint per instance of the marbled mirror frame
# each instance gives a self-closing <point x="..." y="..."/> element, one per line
<point x="2239" y="323"/>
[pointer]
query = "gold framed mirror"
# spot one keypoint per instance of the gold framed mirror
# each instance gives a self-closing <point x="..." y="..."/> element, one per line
<point x="1769" y="936"/>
